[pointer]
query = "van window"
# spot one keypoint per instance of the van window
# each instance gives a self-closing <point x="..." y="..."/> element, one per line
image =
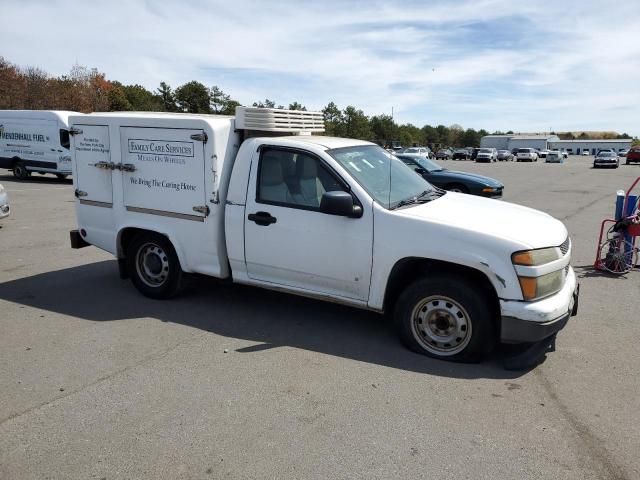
<point x="64" y="138"/>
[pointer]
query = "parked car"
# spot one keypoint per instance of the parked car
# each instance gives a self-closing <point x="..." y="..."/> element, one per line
<point x="606" y="159"/>
<point x="5" y="210"/>
<point x="457" y="273"/>
<point x="585" y="153"/>
<point x="461" y="154"/>
<point x="526" y="155"/>
<point x="543" y="153"/>
<point x="451" y="180"/>
<point x="424" y="151"/>
<point x="487" y="155"/>
<point x="623" y="152"/>
<point x="504" y="155"/>
<point x="444" y="154"/>
<point x="633" y="155"/>
<point x="554" y="156"/>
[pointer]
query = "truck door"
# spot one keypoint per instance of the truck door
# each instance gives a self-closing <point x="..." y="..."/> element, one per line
<point x="93" y="165"/>
<point x="163" y="172"/>
<point x="288" y="241"/>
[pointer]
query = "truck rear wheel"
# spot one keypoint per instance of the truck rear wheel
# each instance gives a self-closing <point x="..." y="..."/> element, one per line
<point x="446" y="318"/>
<point x="153" y="266"/>
<point x="20" y="171"/>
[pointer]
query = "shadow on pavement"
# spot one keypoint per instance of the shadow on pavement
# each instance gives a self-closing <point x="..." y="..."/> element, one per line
<point x="35" y="179"/>
<point x="94" y="292"/>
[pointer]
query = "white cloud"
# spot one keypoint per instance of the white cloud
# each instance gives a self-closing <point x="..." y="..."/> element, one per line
<point x="496" y="64"/>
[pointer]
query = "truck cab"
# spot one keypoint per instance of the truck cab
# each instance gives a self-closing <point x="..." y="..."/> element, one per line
<point x="257" y="199"/>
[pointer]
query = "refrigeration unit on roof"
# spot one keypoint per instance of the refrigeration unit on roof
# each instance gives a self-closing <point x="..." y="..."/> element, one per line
<point x="280" y="121"/>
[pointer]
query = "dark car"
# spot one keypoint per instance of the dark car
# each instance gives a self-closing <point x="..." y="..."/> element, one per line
<point x="451" y="180"/>
<point x="633" y="155"/>
<point x="461" y="154"/>
<point x="444" y="154"/>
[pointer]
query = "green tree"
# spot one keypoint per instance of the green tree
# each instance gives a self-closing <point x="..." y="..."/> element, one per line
<point x="471" y="138"/>
<point x="333" y="120"/>
<point x="221" y="103"/>
<point x="118" y="100"/>
<point x="297" y="106"/>
<point x="167" y="98"/>
<point x="356" y="124"/>
<point x="384" y="129"/>
<point x="193" y="97"/>
<point x="140" y="99"/>
<point x="266" y="104"/>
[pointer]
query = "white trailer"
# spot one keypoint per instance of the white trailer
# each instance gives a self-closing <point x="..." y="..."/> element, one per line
<point x="35" y="141"/>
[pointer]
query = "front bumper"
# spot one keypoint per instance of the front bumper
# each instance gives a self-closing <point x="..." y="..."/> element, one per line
<point x="529" y="322"/>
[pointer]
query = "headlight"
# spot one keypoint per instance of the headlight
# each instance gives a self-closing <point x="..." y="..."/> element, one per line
<point x="534" y="288"/>
<point x="533" y="258"/>
<point x="538" y="287"/>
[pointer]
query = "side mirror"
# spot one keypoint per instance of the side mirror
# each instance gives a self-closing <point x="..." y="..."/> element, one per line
<point x="340" y="203"/>
<point x="421" y="170"/>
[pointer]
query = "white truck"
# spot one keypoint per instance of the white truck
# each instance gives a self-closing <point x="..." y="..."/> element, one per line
<point x="258" y="200"/>
<point x="35" y="141"/>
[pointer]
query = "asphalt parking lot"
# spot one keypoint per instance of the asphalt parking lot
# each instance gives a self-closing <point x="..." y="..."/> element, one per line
<point x="236" y="382"/>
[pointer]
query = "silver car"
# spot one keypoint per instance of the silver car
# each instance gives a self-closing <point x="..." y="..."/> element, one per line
<point x="606" y="159"/>
<point x="4" y="203"/>
<point x="554" y="156"/>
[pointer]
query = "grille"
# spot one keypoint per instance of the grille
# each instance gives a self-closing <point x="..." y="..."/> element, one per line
<point x="564" y="248"/>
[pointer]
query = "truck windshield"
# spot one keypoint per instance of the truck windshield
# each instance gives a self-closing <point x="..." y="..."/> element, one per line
<point x="386" y="178"/>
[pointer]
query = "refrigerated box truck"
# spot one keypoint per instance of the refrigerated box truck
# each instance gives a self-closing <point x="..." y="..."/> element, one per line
<point x="257" y="199"/>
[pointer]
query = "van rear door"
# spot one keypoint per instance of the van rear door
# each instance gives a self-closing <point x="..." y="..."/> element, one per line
<point x="93" y="166"/>
<point x="163" y="172"/>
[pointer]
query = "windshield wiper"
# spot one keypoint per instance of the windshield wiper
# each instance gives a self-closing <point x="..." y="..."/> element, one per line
<point x="423" y="197"/>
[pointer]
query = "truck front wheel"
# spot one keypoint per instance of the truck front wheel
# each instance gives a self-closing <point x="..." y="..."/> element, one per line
<point x="153" y="266"/>
<point x="446" y="318"/>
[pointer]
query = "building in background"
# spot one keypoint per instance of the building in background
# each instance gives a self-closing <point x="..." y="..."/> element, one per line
<point x="509" y="142"/>
<point x="576" y="147"/>
<point x="552" y="142"/>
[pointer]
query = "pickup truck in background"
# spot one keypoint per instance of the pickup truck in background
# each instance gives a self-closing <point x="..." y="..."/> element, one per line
<point x="259" y="200"/>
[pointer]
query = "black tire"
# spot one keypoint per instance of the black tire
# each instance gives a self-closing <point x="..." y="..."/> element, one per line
<point x="61" y="176"/>
<point x="153" y="266"/>
<point x="457" y="187"/>
<point x="20" y="171"/>
<point x="474" y="334"/>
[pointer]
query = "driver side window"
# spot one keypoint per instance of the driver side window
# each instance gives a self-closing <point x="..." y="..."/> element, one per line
<point x="293" y="179"/>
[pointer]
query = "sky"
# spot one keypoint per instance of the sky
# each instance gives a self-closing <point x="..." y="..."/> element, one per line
<point x="525" y="66"/>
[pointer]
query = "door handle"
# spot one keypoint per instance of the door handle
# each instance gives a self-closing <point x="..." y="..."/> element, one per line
<point x="262" y="218"/>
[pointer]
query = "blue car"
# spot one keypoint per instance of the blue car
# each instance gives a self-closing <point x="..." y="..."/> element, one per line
<point x="451" y="180"/>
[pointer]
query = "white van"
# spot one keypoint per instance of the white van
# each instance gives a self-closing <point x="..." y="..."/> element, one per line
<point x="35" y="141"/>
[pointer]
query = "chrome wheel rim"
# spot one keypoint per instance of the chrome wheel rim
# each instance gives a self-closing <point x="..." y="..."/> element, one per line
<point x="152" y="264"/>
<point x="441" y="325"/>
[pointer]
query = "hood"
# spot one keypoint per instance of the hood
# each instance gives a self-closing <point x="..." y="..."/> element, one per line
<point x="523" y="225"/>
<point x="453" y="174"/>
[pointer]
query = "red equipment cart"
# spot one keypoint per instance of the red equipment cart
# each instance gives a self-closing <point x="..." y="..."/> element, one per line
<point x="618" y="253"/>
